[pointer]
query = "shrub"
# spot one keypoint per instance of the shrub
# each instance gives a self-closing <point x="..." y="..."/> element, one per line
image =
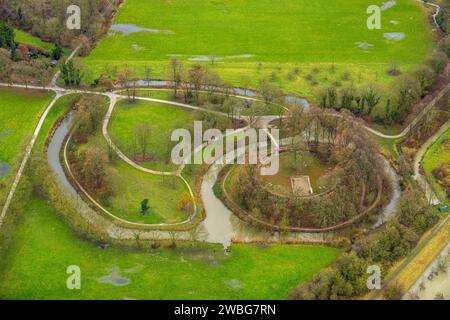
<point x="437" y="62"/>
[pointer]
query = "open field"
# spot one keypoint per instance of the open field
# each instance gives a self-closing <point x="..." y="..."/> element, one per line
<point x="299" y="44"/>
<point x="203" y="273"/>
<point x="160" y="120"/>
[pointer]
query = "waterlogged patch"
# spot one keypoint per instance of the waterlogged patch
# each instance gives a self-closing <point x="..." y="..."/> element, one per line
<point x="137" y="47"/>
<point x="394" y="36"/>
<point x="127" y="29"/>
<point x="114" y="279"/>
<point x="219" y="58"/>
<point x="234" y="284"/>
<point x="388" y="5"/>
<point x="4" y="169"/>
<point x="296" y="101"/>
<point x="363" y="45"/>
<point x="5" y="133"/>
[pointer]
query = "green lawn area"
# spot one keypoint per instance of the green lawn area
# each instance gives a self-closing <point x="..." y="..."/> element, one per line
<point x="437" y="155"/>
<point x="20" y="111"/>
<point x="388" y="147"/>
<point x="43" y="248"/>
<point x="161" y="120"/>
<point x="26" y="38"/>
<point x="287" y="40"/>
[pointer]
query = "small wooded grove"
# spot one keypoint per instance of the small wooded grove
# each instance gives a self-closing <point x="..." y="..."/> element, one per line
<point x="47" y="19"/>
<point x="23" y="63"/>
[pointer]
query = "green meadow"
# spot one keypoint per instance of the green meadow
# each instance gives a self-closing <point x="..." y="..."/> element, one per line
<point x="298" y="44"/>
<point x="43" y="248"/>
<point x="20" y="111"/>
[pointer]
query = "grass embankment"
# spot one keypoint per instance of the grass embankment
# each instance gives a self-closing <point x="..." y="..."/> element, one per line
<point x="26" y="38"/>
<point x="425" y="257"/>
<point x="245" y="107"/>
<point x="298" y="44"/>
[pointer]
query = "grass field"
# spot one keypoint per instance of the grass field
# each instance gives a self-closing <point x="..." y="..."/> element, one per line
<point x="437" y="155"/>
<point x="20" y="111"/>
<point x="250" y="39"/>
<point x="197" y="273"/>
<point x="161" y="120"/>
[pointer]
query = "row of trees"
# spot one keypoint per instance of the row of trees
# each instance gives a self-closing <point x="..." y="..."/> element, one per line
<point x="386" y="106"/>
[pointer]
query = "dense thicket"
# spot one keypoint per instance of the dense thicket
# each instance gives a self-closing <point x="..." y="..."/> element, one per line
<point x="347" y="278"/>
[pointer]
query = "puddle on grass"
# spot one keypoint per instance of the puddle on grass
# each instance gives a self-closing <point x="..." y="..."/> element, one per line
<point x="363" y="45"/>
<point x="114" y="279"/>
<point x="4" y="169"/>
<point x="127" y="29"/>
<point x="388" y="5"/>
<point x="137" y="47"/>
<point x="219" y="58"/>
<point x="394" y="36"/>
